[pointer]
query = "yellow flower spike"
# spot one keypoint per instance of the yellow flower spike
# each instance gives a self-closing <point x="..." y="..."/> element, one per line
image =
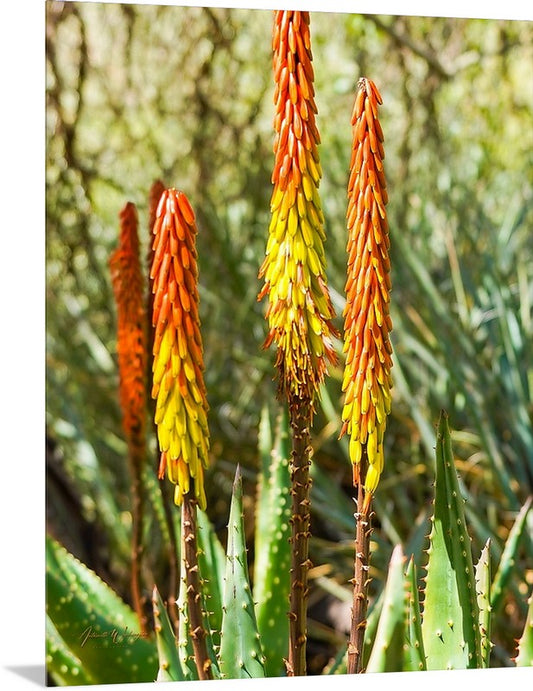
<point x="300" y="311"/>
<point x="367" y="380"/>
<point x="178" y="386"/>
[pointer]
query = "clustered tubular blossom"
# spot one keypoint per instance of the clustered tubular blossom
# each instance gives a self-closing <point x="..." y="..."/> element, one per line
<point x="299" y="312"/>
<point x="367" y="376"/>
<point x="178" y="384"/>
<point x="127" y="282"/>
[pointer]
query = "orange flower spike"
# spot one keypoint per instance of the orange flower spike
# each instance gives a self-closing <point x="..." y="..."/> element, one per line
<point x="299" y="313"/>
<point x="127" y="282"/>
<point x="178" y="385"/>
<point x="367" y="375"/>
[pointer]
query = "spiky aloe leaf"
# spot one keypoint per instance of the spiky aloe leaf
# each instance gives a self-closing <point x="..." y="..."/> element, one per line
<point x="374" y="614"/>
<point x="483" y="601"/>
<point x="387" y="651"/>
<point x="265" y="438"/>
<point x="63" y="666"/>
<point x="507" y="560"/>
<point x="185" y="649"/>
<point x="241" y="655"/>
<point x="98" y="628"/>
<point x="450" y="623"/>
<point x="212" y="563"/>
<point x="414" y="655"/>
<point x="185" y="646"/>
<point x="272" y="548"/>
<point x="525" y="644"/>
<point x="169" y="661"/>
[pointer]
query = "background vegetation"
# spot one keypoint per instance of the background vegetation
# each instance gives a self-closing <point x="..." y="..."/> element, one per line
<point x="136" y="93"/>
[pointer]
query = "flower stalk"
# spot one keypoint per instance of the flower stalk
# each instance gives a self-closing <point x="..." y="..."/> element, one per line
<point x="367" y="375"/>
<point x="127" y="282"/>
<point x="189" y="555"/>
<point x="299" y="311"/>
<point x="178" y="386"/>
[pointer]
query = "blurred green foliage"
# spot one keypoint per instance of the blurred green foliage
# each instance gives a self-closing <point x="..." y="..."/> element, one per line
<point x="136" y="93"/>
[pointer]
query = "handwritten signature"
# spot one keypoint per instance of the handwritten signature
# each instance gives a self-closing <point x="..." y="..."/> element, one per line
<point x="116" y="636"/>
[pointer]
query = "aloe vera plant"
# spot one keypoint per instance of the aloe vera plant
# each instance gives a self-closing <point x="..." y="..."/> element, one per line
<point x="91" y="634"/>
<point x="241" y="655"/>
<point x="524" y="657"/>
<point x="169" y="662"/>
<point x="231" y="619"/>
<point x="451" y="613"/>
<point x="272" y="548"/>
<point x="232" y="609"/>
<point x="451" y="627"/>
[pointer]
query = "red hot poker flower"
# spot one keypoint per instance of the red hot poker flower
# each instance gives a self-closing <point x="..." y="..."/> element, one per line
<point x="178" y="383"/>
<point x="367" y="375"/>
<point x="299" y="312"/>
<point x="127" y="282"/>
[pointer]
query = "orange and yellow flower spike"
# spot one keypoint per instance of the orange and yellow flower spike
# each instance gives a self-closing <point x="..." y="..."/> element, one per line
<point x="299" y="312"/>
<point x="367" y="375"/>
<point x="127" y="282"/>
<point x="178" y="384"/>
<point x="128" y="288"/>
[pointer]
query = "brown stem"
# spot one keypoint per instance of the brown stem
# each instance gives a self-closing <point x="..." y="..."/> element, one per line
<point x="300" y="417"/>
<point x="192" y="582"/>
<point x="360" y="583"/>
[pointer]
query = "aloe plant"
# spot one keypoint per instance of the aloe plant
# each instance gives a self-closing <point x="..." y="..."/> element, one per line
<point x="242" y="621"/>
<point x="91" y="633"/>
<point x="507" y="561"/>
<point x="241" y="655"/>
<point x="169" y="662"/>
<point x="451" y="613"/>
<point x="414" y="653"/>
<point x="401" y="630"/>
<point x="524" y="657"/>
<point x="233" y="611"/>
<point x="483" y="592"/>
<point x="387" y="651"/>
<point x="451" y="628"/>
<point x="272" y="548"/>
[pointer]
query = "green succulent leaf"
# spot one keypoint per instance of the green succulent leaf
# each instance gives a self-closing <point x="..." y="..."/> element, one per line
<point x="185" y="647"/>
<point x="97" y="628"/>
<point x="212" y="564"/>
<point x="169" y="662"/>
<point x="241" y="655"/>
<point x="450" y="624"/>
<point x="388" y="651"/>
<point x="508" y="558"/>
<point x="374" y="614"/>
<point x="525" y="644"/>
<point x="272" y="548"/>
<point x="64" y="667"/>
<point x="483" y="601"/>
<point x="414" y="655"/>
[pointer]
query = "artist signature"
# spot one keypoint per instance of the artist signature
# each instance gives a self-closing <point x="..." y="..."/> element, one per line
<point x="116" y="636"/>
